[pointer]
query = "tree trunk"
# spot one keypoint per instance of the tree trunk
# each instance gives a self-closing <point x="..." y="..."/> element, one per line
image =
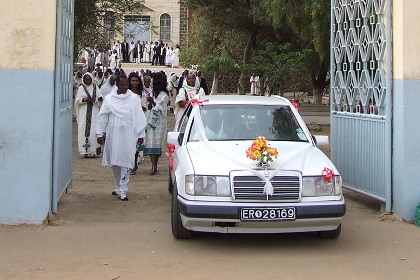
<point x="245" y="60"/>
<point x="215" y="84"/>
<point x="317" y="98"/>
<point x="241" y="85"/>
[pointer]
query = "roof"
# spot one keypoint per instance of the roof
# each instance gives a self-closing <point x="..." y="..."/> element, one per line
<point x="246" y="99"/>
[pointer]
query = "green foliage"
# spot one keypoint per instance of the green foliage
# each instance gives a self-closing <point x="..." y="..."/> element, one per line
<point x="218" y="64"/>
<point x="281" y="68"/>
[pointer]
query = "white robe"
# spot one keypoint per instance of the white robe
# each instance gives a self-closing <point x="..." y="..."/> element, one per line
<point x="123" y="121"/>
<point x="176" y="58"/>
<point x="146" y="53"/>
<point x="255" y="85"/>
<point x="81" y="111"/>
<point x="113" y="62"/>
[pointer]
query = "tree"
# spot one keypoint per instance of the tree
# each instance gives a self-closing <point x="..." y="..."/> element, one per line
<point x="285" y="69"/>
<point x="234" y="19"/>
<point x="96" y="21"/>
<point x="310" y="21"/>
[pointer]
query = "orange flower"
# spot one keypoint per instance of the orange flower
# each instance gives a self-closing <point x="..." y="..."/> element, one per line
<point x="260" y="151"/>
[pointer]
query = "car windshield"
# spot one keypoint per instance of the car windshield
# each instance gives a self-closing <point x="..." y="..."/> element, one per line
<point x="246" y="122"/>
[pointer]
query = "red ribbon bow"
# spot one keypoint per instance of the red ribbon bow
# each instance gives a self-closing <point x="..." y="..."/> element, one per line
<point x="196" y="101"/>
<point x="327" y="174"/>
<point x="170" y="154"/>
<point x="295" y="104"/>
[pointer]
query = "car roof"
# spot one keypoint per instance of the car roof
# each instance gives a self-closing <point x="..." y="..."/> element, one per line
<point x="244" y="99"/>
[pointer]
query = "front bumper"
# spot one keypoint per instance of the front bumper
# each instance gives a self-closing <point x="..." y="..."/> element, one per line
<point x="225" y="217"/>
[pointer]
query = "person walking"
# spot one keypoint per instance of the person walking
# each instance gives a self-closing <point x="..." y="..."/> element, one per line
<point x="121" y="127"/>
<point x="157" y="124"/>
<point x="87" y="103"/>
<point x="136" y="86"/>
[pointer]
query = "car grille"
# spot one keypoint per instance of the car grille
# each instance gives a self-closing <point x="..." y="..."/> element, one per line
<point x="251" y="188"/>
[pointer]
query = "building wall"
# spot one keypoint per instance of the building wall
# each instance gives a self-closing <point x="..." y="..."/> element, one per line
<point x="26" y="109"/>
<point x="406" y="101"/>
<point x="159" y="7"/>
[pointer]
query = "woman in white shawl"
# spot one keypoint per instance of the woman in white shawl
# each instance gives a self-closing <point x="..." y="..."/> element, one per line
<point x="156" y="128"/>
<point x="88" y="102"/>
<point x="108" y="86"/>
<point x="190" y="90"/>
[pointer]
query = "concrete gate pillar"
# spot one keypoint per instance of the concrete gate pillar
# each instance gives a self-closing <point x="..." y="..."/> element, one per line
<point x="27" y="66"/>
<point x="406" y="108"/>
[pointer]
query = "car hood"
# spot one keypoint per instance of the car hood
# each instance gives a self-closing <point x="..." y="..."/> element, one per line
<point x="219" y="158"/>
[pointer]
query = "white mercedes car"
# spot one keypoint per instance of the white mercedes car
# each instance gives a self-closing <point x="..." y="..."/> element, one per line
<point x="216" y="188"/>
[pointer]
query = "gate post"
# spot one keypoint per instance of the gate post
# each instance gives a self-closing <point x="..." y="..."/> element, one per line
<point x="406" y="102"/>
<point x="27" y="71"/>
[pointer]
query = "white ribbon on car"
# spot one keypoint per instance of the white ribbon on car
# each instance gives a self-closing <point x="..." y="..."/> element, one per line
<point x="266" y="176"/>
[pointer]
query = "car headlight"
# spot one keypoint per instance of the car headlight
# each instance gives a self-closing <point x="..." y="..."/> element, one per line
<point x="317" y="186"/>
<point x="207" y="185"/>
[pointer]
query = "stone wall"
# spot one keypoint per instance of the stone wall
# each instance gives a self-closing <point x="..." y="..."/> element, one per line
<point x="183" y="24"/>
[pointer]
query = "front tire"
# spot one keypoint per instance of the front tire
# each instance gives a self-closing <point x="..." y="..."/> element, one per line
<point x="331" y="234"/>
<point x="178" y="229"/>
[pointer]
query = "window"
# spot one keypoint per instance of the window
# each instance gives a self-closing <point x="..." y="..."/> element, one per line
<point x="165" y="27"/>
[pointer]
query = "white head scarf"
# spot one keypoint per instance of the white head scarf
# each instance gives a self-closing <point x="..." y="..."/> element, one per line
<point x="107" y="87"/>
<point x="189" y="88"/>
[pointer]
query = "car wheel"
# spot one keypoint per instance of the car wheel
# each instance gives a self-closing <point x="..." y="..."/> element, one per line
<point x="170" y="183"/>
<point x="178" y="230"/>
<point x="331" y="234"/>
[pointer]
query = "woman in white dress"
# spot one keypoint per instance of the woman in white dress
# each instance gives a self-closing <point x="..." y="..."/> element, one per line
<point x="156" y="128"/>
<point x="177" y="50"/>
<point x="190" y="90"/>
<point x="88" y="102"/>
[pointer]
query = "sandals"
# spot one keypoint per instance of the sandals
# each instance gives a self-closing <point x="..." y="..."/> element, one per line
<point x="153" y="171"/>
<point x="123" y="196"/>
<point x="133" y="171"/>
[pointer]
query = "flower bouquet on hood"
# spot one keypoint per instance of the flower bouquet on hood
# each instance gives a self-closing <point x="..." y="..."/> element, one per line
<point x="261" y="152"/>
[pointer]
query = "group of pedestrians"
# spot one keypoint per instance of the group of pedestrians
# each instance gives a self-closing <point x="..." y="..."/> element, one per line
<point x="155" y="53"/>
<point x="126" y="116"/>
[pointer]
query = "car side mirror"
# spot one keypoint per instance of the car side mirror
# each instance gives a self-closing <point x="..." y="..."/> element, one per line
<point x="321" y="140"/>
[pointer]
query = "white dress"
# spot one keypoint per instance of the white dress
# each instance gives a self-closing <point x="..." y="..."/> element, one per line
<point x="176" y="58"/>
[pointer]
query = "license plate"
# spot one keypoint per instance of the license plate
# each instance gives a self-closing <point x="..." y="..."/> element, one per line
<point x="268" y="214"/>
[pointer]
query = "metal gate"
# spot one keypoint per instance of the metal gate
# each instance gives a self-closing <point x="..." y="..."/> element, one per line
<point x="361" y="108"/>
<point x="63" y="97"/>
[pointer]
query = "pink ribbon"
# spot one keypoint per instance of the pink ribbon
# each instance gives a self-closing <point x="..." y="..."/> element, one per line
<point x="170" y="154"/>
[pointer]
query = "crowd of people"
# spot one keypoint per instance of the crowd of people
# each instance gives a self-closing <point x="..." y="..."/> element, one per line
<point x="123" y="116"/>
<point x="154" y="53"/>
